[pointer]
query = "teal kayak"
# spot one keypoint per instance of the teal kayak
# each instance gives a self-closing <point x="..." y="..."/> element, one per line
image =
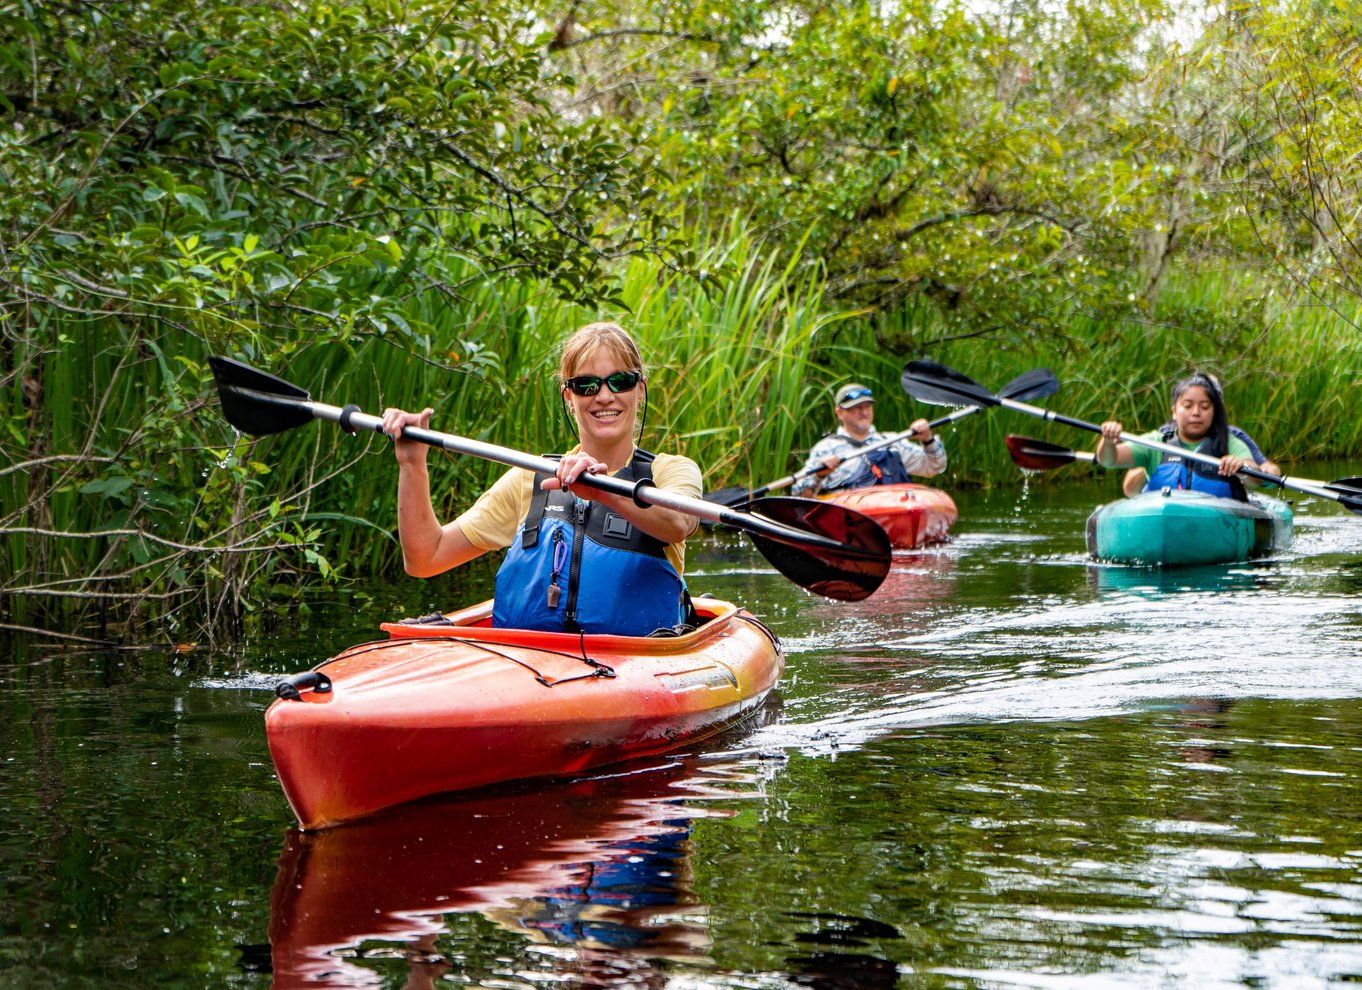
<point x="1176" y="528"/>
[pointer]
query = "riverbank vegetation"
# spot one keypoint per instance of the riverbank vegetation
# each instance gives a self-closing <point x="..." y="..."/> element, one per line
<point x="409" y="204"/>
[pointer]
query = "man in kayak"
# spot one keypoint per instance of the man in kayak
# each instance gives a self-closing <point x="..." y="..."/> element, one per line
<point x="1200" y="423"/>
<point x="578" y="559"/>
<point x="836" y="457"/>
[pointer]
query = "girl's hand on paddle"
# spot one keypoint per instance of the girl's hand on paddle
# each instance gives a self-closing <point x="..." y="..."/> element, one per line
<point x="571" y="468"/>
<point x="394" y="421"/>
<point x="1110" y="453"/>
<point x="1229" y="464"/>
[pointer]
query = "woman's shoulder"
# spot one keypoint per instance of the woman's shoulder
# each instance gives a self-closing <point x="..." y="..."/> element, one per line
<point x="677" y="471"/>
<point x="670" y="457"/>
<point x="673" y="462"/>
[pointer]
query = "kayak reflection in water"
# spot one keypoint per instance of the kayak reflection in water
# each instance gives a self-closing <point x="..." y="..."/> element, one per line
<point x="601" y="869"/>
<point x="619" y="902"/>
<point x="854" y="407"/>
<point x="1200" y="424"/>
<point x="570" y="547"/>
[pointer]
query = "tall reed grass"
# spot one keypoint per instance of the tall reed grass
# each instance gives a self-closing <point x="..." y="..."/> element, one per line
<point x="154" y="509"/>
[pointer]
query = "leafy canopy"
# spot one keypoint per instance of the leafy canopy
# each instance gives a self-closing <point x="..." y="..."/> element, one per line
<point x="226" y="169"/>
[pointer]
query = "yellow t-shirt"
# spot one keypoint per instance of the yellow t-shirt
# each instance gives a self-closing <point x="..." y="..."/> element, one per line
<point x="491" y="522"/>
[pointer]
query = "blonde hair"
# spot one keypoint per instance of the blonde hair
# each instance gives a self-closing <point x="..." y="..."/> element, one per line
<point x="586" y="342"/>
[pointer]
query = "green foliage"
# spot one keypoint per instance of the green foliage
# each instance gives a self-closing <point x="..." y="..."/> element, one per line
<point x="179" y="179"/>
<point x="412" y="203"/>
<point x="239" y="170"/>
<point x="1278" y="82"/>
<point x="996" y="165"/>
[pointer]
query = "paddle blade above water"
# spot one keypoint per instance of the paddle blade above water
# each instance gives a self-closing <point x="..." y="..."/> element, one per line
<point x="255" y="403"/>
<point x="1031" y="454"/>
<point x="1038" y="383"/>
<point x="847" y="574"/>
<point x="938" y="385"/>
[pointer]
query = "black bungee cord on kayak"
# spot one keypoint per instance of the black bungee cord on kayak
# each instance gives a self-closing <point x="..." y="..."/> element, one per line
<point x="289" y="688"/>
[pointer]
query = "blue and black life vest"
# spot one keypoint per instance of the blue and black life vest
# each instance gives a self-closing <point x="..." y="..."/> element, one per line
<point x="575" y="566"/>
<point x="1182" y="472"/>
<point x="879" y="467"/>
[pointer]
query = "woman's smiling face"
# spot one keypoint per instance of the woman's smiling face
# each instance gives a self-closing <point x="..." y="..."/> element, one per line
<point x="606" y="417"/>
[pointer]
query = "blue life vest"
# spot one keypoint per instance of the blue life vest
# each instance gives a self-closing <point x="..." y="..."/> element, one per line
<point x="575" y="566"/>
<point x="1180" y="472"/>
<point x="879" y="467"/>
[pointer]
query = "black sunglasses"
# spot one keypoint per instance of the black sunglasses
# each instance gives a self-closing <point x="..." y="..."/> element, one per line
<point x="620" y="381"/>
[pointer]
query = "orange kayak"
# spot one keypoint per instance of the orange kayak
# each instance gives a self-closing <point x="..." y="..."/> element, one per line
<point x="457" y="704"/>
<point x="912" y="515"/>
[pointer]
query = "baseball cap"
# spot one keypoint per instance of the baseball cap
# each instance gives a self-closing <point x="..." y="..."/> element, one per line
<point x="853" y="395"/>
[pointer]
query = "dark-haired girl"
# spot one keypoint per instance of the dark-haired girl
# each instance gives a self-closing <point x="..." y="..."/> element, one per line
<point x="1201" y="424"/>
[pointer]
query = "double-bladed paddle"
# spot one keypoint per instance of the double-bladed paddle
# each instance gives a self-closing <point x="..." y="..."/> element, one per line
<point x="935" y="383"/>
<point x="1031" y="454"/>
<point x="1034" y="384"/>
<point x="830" y="550"/>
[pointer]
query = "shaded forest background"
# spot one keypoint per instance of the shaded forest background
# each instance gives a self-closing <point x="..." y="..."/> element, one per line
<point x="408" y="203"/>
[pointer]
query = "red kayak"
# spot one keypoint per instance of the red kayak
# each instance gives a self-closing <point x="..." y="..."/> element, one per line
<point x="457" y="704"/>
<point x="912" y="515"/>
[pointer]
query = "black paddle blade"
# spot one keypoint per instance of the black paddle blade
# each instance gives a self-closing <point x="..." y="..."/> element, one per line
<point x="1038" y="383"/>
<point x="733" y="497"/>
<point x="848" y="574"/>
<point x="1031" y="454"/>
<point x="255" y="403"/>
<point x="938" y="385"/>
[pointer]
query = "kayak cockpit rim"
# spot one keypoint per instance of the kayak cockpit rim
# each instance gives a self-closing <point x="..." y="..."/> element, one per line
<point x="475" y="623"/>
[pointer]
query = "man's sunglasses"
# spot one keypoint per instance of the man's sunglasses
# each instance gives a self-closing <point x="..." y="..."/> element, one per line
<point x="620" y="381"/>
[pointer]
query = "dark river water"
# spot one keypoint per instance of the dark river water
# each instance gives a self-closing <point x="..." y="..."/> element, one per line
<point x="1010" y="768"/>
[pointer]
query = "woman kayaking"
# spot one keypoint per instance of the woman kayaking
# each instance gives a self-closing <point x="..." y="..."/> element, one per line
<point x="854" y="407"/>
<point x="1200" y="423"/>
<point x="578" y="559"/>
